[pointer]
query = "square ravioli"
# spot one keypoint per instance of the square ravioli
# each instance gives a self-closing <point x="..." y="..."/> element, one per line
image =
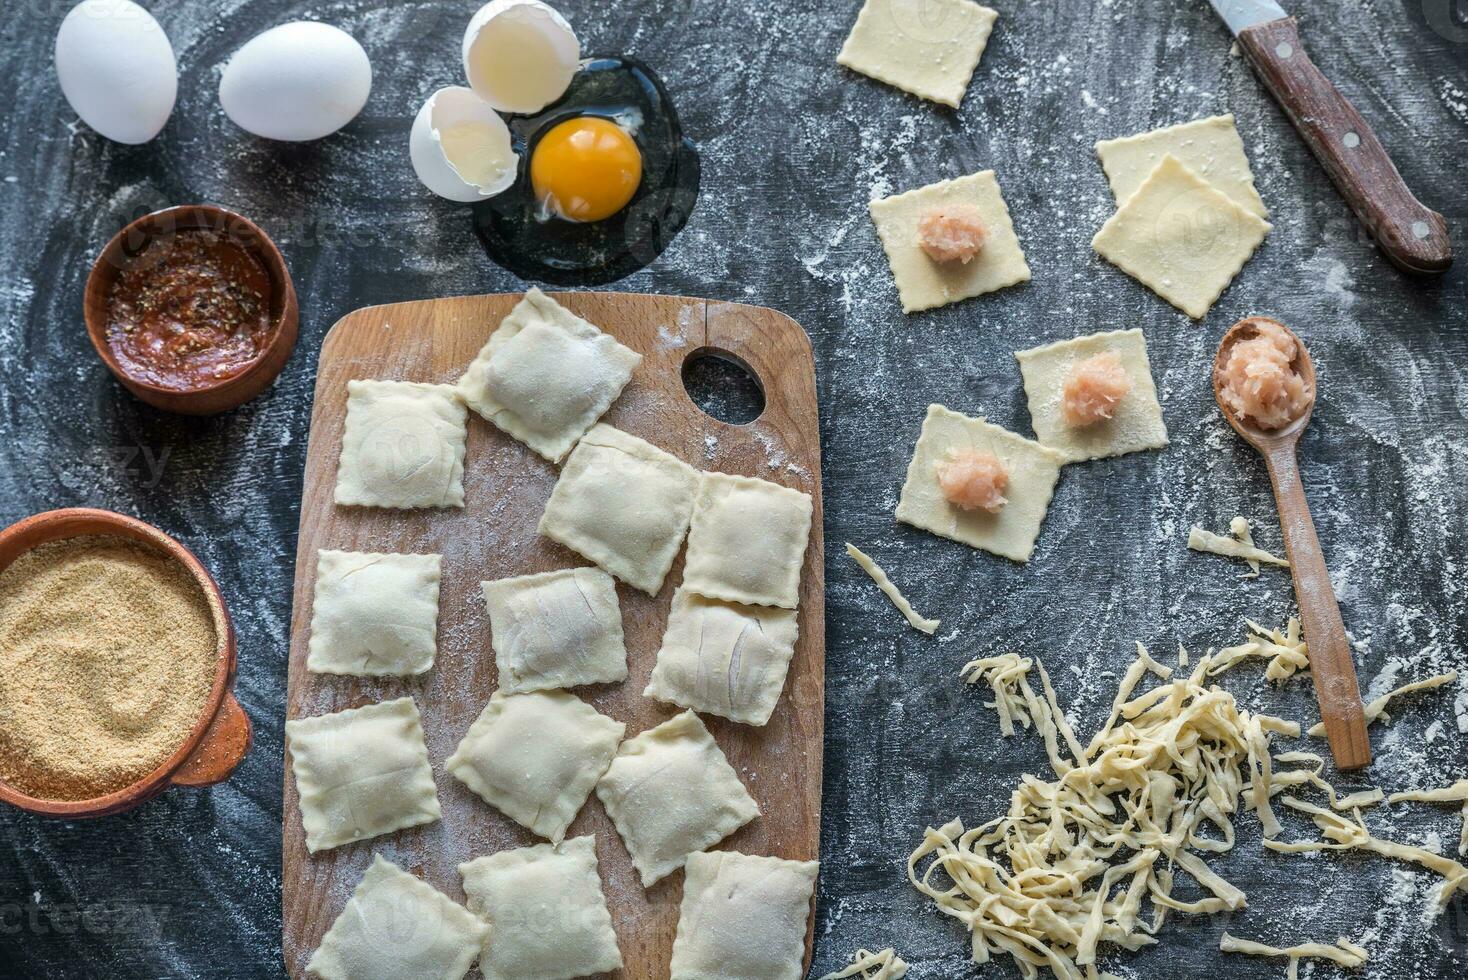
<point x="670" y="792"/>
<point x="1032" y="468"/>
<point x="374" y="615"/>
<point x="623" y="503"/>
<point x="546" y="375"/>
<point x="535" y="757"/>
<point x="1211" y="148"/>
<point x="743" y="917"/>
<point x="1181" y="237"/>
<point x="556" y="629"/>
<point x="927" y="48"/>
<point x="361" y="773"/>
<point x="402" y="446"/>
<point x="724" y="658"/>
<point x="398" y="927"/>
<point x="923" y="283"/>
<point x="547" y="916"/>
<point x="747" y="541"/>
<point x="1136" y="420"/>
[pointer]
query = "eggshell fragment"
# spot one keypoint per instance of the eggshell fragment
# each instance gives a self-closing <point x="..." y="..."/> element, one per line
<point x="520" y="55"/>
<point x="299" y="81"/>
<point x="460" y="147"/>
<point x="117" y="69"/>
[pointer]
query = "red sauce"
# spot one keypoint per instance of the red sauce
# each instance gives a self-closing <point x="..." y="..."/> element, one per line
<point x="189" y="311"/>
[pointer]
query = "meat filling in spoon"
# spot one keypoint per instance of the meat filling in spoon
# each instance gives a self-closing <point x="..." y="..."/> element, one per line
<point x="1265" y="384"/>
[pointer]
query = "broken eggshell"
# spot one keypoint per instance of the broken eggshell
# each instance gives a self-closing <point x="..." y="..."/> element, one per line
<point x="519" y="55"/>
<point x="460" y="147"/>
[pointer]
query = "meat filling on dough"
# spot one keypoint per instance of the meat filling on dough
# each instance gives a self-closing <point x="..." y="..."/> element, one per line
<point x="1260" y="381"/>
<point x="955" y="233"/>
<point x="972" y="480"/>
<point x="1093" y="389"/>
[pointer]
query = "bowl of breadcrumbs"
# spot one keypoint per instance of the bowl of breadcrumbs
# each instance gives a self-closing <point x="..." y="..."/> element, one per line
<point x="117" y="659"/>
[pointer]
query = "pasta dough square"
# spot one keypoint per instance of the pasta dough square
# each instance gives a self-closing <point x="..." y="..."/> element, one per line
<point x="1180" y="237"/>
<point x="670" y="792"/>
<point x="535" y="757"/>
<point x="556" y="629"/>
<point x="747" y="541"/>
<point x="927" y="48"/>
<point x="1135" y="424"/>
<point x="398" y="927"/>
<point x="361" y="773"/>
<point x="743" y="917"/>
<point x="623" y="503"/>
<point x="1211" y="148"/>
<point x="1033" y="470"/>
<point x="724" y="658"/>
<point x="403" y="446"/>
<point x="923" y="283"/>
<point x="547" y="916"/>
<point x="373" y="614"/>
<point x="546" y="375"/>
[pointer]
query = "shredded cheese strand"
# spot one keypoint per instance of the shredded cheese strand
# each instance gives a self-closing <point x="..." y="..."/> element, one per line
<point x="1348" y="835"/>
<point x="1240" y="529"/>
<point x="883" y="965"/>
<point x="1300" y="777"/>
<point x="1376" y="710"/>
<point x="1344" y="952"/>
<point x="891" y="591"/>
<point x="1217" y="544"/>
<point x="1456" y="793"/>
<point x="1286" y="651"/>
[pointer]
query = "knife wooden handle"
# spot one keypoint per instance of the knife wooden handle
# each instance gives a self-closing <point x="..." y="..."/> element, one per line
<point x="1413" y="236"/>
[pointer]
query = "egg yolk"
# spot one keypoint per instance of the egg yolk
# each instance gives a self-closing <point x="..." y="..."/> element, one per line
<point x="586" y="169"/>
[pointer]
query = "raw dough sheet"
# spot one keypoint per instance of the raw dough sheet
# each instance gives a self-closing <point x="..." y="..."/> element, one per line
<point x="922" y="283"/>
<point x="927" y="48"/>
<point x="1181" y="237"/>
<point x="1136" y="423"/>
<point x="1211" y="148"/>
<point x="1033" y="471"/>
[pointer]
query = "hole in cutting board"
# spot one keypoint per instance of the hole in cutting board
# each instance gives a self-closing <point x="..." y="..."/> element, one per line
<point x="723" y="386"/>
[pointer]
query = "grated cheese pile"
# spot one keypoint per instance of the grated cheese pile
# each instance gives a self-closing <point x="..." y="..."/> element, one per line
<point x="1070" y="864"/>
<point x="1068" y="867"/>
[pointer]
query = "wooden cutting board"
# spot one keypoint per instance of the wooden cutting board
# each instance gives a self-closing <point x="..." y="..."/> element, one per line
<point x="493" y="536"/>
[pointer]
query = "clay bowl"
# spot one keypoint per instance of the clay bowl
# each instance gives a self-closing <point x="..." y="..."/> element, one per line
<point x="221" y="736"/>
<point x="284" y="311"/>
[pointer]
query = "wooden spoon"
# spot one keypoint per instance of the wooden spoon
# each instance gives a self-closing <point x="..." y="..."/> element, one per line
<point x="1325" y="634"/>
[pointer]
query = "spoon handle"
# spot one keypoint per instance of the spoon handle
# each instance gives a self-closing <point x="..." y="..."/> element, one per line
<point x="1331" y="665"/>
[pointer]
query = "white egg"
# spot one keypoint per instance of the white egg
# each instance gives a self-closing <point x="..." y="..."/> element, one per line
<point x="299" y="81"/>
<point x="117" y="69"/>
<point x="461" y="147"/>
<point x="520" y="55"/>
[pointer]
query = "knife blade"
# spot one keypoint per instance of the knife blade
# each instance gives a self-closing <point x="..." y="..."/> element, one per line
<point x="1411" y="235"/>
<point x="1241" y="14"/>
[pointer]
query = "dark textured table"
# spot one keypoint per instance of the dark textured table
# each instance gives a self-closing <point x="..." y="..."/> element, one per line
<point x="793" y="146"/>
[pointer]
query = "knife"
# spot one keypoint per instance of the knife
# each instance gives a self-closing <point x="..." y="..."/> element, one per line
<point x="1411" y="235"/>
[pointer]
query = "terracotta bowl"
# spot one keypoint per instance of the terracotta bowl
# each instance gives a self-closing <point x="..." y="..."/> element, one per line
<point x="221" y="736"/>
<point x="284" y="311"/>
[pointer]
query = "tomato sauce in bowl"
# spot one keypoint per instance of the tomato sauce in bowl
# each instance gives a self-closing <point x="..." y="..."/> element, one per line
<point x="189" y="311"/>
<point x="192" y="309"/>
